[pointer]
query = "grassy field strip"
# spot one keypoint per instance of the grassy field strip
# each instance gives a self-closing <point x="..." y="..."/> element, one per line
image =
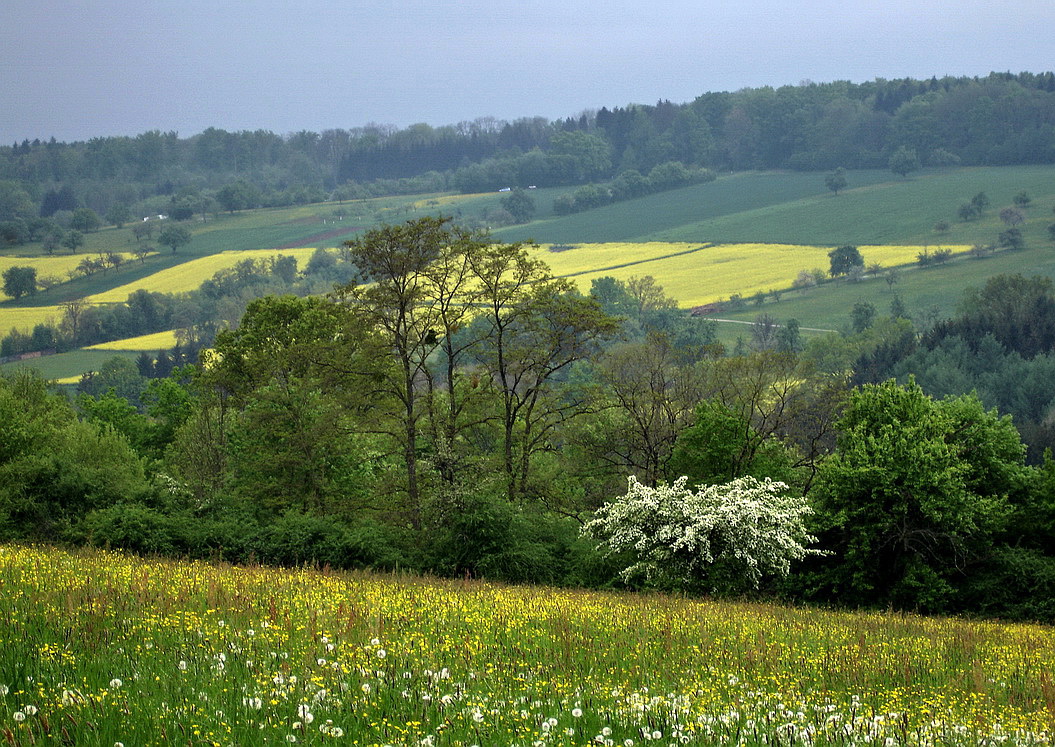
<point x="719" y="271"/>
<point x="99" y="648"/>
<point x="152" y="342"/>
<point x="190" y="275"/>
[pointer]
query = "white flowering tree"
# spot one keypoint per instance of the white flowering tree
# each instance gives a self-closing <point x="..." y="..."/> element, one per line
<point x="724" y="536"/>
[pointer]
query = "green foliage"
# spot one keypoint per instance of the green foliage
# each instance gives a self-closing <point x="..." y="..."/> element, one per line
<point x="520" y="205"/>
<point x="844" y="260"/>
<point x="862" y="316"/>
<point x="174" y="237"/>
<point x="914" y="492"/>
<point x="836" y="181"/>
<point x="904" y="160"/>
<point x="20" y="281"/>
<point x="85" y="220"/>
<point x="55" y="468"/>
<point x="721" y="445"/>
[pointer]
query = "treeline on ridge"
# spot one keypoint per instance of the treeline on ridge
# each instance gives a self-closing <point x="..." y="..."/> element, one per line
<point x="996" y="120"/>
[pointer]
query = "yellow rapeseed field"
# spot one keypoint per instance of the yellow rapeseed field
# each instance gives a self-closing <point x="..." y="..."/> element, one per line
<point x="101" y="648"/>
<point x="598" y="257"/>
<point x="24" y="319"/>
<point x="152" y="342"/>
<point x="190" y="275"/>
<point x="714" y="272"/>
<point x="59" y="266"/>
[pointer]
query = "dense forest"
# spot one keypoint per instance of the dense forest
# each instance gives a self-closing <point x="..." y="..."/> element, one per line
<point x="997" y="120"/>
<point x="467" y="413"/>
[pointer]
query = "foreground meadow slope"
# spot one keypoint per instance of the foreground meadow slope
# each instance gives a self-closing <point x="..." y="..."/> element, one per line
<point x="99" y="648"/>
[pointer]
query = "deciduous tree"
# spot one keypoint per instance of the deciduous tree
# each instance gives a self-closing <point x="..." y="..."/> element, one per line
<point x="20" y="281"/>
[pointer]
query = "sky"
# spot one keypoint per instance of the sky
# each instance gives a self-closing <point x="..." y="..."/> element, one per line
<point x="77" y="69"/>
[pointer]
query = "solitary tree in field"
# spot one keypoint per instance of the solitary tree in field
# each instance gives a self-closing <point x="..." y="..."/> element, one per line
<point x="844" y="259"/>
<point x="836" y="180"/>
<point x="73" y="240"/>
<point x="174" y="237"/>
<point x="20" y="281"/>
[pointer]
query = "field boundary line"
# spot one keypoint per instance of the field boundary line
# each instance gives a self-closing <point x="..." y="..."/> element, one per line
<point x="636" y="261"/>
<point x="741" y="321"/>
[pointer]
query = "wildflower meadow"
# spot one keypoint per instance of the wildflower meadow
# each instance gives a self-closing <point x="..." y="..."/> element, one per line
<point x="98" y="648"/>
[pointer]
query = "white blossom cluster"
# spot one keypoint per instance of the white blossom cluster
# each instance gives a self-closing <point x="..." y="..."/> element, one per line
<point x="675" y="532"/>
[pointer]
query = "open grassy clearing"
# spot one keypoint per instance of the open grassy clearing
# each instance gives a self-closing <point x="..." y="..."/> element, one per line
<point x="101" y="648"/>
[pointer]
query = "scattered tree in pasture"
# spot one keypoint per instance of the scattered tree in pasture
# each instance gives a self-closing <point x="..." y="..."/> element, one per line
<point x="941" y="226"/>
<point x="85" y="220"/>
<point x="52" y="240"/>
<point x="143" y="229"/>
<point x="836" y="180"/>
<point x="174" y="237"/>
<point x="844" y="259"/>
<point x="1011" y="239"/>
<point x="1022" y="200"/>
<point x="73" y="240"/>
<point x="804" y="281"/>
<point x="47" y="282"/>
<point x="20" y="281"/>
<point x="1012" y="216"/>
<point x="118" y="214"/>
<point x="893" y="276"/>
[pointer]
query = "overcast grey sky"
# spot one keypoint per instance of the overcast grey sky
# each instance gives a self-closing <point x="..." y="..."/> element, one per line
<point x="75" y="69"/>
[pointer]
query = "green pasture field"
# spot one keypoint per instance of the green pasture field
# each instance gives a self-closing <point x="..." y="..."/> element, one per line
<point x="796" y="208"/>
<point x="101" y="648"/>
